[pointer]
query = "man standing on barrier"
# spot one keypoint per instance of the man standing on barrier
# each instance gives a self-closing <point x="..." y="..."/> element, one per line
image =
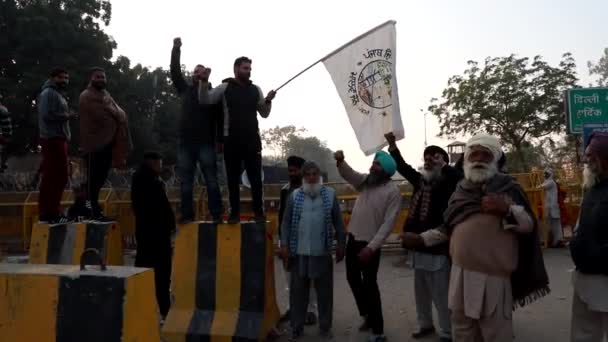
<point x="154" y="225"/>
<point x="103" y="136"/>
<point x="200" y="137"/>
<point x="53" y="124"/>
<point x="372" y="220"/>
<point x="241" y="100"/>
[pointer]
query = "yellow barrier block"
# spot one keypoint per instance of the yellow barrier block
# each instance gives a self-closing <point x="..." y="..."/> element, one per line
<point x="61" y="303"/>
<point x="223" y="282"/>
<point x="64" y="243"/>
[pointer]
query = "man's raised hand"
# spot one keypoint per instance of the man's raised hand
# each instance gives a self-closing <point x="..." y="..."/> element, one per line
<point x="177" y="42"/>
<point x="339" y="156"/>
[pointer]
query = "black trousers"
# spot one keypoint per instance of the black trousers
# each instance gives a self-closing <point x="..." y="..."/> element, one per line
<point x="158" y="259"/>
<point x="98" y="168"/>
<point x="364" y="285"/>
<point x="236" y="155"/>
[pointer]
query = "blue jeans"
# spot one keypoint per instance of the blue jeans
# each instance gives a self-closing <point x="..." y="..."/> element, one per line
<point x="188" y="157"/>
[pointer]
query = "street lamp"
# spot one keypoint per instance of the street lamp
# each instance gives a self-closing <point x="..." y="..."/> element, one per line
<point x="422" y="111"/>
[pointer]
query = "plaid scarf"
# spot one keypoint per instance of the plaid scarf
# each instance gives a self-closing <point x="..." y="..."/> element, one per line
<point x="529" y="281"/>
<point x="420" y="203"/>
<point x="298" y="206"/>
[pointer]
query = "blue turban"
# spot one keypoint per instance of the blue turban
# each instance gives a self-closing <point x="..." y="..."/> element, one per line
<point x="387" y="162"/>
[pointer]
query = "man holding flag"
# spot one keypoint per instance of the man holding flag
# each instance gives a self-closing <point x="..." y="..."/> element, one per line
<point x="241" y="100"/>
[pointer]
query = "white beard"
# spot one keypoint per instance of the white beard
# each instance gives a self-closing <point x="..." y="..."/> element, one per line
<point x="312" y="190"/>
<point x="589" y="178"/>
<point x="477" y="175"/>
<point x="431" y="175"/>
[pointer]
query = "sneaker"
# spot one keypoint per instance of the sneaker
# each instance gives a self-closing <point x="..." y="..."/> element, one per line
<point x="377" y="338"/>
<point x="234" y="219"/>
<point x="101" y="218"/>
<point x="424" y="332"/>
<point x="54" y="219"/>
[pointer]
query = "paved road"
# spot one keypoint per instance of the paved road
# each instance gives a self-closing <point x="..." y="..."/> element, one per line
<point x="545" y="320"/>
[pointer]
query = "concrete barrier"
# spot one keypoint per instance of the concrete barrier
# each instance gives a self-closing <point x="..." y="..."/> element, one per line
<point x="60" y="303"/>
<point x="64" y="243"/>
<point x="223" y="282"/>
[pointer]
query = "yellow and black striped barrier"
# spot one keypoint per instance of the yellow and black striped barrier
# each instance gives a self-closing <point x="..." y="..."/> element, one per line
<point x="64" y="243"/>
<point x="223" y="282"/>
<point x="64" y="303"/>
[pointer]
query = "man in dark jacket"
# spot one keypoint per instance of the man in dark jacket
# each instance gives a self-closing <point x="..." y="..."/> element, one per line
<point x="589" y="248"/>
<point x="53" y="124"/>
<point x="433" y="187"/>
<point x="241" y="100"/>
<point x="154" y="225"/>
<point x="200" y="128"/>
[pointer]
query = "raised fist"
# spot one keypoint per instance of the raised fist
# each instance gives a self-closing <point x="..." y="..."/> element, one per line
<point x="177" y="42"/>
<point x="339" y="156"/>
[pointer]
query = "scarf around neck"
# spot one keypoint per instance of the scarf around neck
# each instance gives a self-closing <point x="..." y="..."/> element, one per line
<point x="529" y="281"/>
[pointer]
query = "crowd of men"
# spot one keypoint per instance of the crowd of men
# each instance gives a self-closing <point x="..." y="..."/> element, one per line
<point x="475" y="239"/>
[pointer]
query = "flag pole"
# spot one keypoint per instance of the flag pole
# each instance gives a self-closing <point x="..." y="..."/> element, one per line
<point x="300" y="73"/>
<point x="335" y="52"/>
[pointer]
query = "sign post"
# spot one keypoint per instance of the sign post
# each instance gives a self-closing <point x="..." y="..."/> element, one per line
<point x="586" y="106"/>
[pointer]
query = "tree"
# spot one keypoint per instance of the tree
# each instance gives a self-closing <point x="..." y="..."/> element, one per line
<point x="311" y="148"/>
<point x="275" y="139"/>
<point x="39" y="35"/>
<point x="516" y="99"/>
<point x="600" y="69"/>
<point x="289" y="140"/>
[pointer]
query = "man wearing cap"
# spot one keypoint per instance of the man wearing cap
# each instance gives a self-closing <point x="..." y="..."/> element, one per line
<point x="312" y="218"/>
<point x="372" y="220"/>
<point x="497" y="262"/>
<point x="154" y="225"/>
<point x="589" y="248"/>
<point x="294" y="170"/>
<point x="433" y="186"/>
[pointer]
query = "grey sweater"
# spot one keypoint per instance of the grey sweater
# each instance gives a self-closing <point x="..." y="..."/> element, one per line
<point x="53" y="113"/>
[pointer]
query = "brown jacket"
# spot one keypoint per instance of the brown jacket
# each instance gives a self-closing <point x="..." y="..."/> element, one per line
<point x="103" y="122"/>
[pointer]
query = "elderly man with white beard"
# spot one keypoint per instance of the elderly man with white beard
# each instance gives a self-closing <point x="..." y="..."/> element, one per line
<point x="497" y="263"/>
<point x="310" y="219"/>
<point x="589" y="248"/>
<point x="433" y="186"/>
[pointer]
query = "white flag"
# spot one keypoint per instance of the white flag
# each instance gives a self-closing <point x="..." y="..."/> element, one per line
<point x="364" y="74"/>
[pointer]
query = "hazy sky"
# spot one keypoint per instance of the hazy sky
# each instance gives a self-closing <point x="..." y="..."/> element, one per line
<point x="435" y="40"/>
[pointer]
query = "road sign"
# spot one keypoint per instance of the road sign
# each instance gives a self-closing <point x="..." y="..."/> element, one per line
<point x="589" y="128"/>
<point x="586" y="105"/>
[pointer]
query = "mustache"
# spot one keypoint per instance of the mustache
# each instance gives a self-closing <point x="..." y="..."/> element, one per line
<point x="480" y="165"/>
